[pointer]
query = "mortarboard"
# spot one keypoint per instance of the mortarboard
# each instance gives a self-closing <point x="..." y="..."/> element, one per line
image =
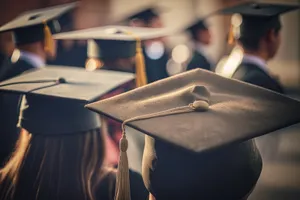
<point x="194" y="114"/>
<point x="113" y="42"/>
<point x="253" y="19"/>
<point x="55" y="97"/>
<point x="37" y="25"/>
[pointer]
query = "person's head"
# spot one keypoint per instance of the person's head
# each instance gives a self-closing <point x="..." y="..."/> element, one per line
<point x="257" y="26"/>
<point x="33" y="39"/>
<point x="265" y="39"/>
<point x="200" y="33"/>
<point x="60" y="152"/>
<point x="55" y="167"/>
<point x="32" y="31"/>
<point x="116" y="44"/>
<point x="146" y="18"/>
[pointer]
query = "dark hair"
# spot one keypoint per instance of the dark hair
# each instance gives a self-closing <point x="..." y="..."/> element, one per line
<point x="194" y="32"/>
<point x="54" y="167"/>
<point x="251" y="42"/>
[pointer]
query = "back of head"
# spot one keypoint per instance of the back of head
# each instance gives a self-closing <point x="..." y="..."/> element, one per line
<point x="254" y="29"/>
<point x="59" y="167"/>
<point x="60" y="152"/>
<point x="227" y="173"/>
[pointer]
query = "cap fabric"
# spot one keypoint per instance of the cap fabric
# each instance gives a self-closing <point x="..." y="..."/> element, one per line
<point x="55" y="97"/>
<point x="29" y="26"/>
<point x="257" y="18"/>
<point x="200" y="121"/>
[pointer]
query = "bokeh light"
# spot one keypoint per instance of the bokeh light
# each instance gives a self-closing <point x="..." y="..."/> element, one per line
<point x="180" y="53"/>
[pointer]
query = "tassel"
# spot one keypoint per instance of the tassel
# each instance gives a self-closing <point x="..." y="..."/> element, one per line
<point x="141" y="77"/>
<point x="48" y="40"/>
<point x="122" y="191"/>
<point x="231" y="35"/>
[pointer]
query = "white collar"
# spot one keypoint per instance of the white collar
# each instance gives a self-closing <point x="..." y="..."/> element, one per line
<point x="33" y="59"/>
<point x="247" y="58"/>
<point x="199" y="48"/>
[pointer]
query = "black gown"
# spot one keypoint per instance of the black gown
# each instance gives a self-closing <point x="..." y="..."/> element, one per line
<point x="138" y="191"/>
<point x="75" y="57"/>
<point x="156" y="69"/>
<point x="199" y="61"/>
<point x="9" y="104"/>
<point x="251" y="73"/>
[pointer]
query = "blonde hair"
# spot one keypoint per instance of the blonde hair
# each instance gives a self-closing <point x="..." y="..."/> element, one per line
<point x="54" y="167"/>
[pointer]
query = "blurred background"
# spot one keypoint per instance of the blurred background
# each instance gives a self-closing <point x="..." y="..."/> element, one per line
<point x="280" y="178"/>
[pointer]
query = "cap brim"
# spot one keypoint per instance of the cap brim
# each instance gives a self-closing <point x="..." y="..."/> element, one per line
<point x="123" y="33"/>
<point x="81" y="85"/>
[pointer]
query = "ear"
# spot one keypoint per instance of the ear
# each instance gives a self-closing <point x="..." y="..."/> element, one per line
<point x="271" y="35"/>
<point x="136" y="23"/>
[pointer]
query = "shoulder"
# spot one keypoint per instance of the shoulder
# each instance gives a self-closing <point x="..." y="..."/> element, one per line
<point x="253" y="74"/>
<point x="106" y="188"/>
<point x="198" y="61"/>
<point x="14" y="69"/>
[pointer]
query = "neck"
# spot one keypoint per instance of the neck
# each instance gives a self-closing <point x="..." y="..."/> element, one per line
<point x="34" y="48"/>
<point x="259" y="54"/>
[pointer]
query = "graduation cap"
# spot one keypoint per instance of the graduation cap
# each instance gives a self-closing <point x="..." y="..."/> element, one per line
<point x="191" y="115"/>
<point x="37" y="25"/>
<point x="253" y="19"/>
<point x="55" y="97"/>
<point x="114" y="42"/>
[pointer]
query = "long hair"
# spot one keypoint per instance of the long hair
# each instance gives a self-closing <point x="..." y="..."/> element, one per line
<point x="54" y="167"/>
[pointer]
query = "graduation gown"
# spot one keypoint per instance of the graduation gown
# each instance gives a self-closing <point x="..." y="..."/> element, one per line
<point x="75" y="56"/>
<point x="252" y="73"/>
<point x="106" y="189"/>
<point x="199" y="61"/>
<point x="156" y="69"/>
<point x="9" y="104"/>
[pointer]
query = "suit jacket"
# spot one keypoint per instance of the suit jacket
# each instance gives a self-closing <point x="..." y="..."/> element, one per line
<point x="9" y="107"/>
<point x="199" y="61"/>
<point x="253" y="74"/>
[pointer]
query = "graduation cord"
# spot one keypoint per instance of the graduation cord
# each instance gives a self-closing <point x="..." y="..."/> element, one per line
<point x="122" y="182"/>
<point x="58" y="81"/>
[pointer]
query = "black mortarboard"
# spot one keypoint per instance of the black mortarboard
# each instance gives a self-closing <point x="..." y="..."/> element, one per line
<point x="33" y="26"/>
<point x="257" y="18"/>
<point x="55" y="97"/>
<point x="191" y="115"/>
<point x="114" y="42"/>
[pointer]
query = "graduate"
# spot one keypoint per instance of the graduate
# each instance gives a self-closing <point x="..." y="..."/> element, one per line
<point x="257" y="30"/>
<point x="156" y="54"/>
<point x="199" y="130"/>
<point x="32" y="33"/>
<point x="118" y="48"/>
<point x="60" y="152"/>
<point x="201" y="37"/>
